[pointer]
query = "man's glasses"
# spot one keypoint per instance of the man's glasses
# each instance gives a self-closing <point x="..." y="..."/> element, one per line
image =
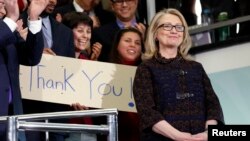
<point x="121" y="1"/>
<point x="169" y="27"/>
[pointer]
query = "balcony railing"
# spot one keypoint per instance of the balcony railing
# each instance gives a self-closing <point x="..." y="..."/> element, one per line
<point x="32" y="122"/>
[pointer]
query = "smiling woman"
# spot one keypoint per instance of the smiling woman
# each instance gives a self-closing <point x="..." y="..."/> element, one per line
<point x="82" y="26"/>
<point x="127" y="49"/>
<point x="173" y="94"/>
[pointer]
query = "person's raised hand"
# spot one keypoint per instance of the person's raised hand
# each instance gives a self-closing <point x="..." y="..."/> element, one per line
<point x="36" y="7"/>
<point x="12" y="9"/>
<point x="141" y="27"/>
<point x="96" y="51"/>
<point x="22" y="31"/>
<point x="96" y="21"/>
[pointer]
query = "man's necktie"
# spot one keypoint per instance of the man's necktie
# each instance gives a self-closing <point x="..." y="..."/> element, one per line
<point x="44" y="37"/>
<point x="47" y="35"/>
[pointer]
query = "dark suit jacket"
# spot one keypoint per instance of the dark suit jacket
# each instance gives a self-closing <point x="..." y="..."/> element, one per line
<point x="103" y="15"/>
<point x="14" y="52"/>
<point x="63" y="43"/>
<point x="105" y="35"/>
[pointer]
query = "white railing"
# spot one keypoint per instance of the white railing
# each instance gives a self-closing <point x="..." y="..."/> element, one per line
<point x="201" y="28"/>
<point x="29" y="122"/>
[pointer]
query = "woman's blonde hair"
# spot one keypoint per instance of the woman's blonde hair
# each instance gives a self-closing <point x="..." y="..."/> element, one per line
<point x="151" y="46"/>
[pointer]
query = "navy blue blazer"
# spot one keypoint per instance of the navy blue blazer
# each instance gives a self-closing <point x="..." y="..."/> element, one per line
<point x="13" y="52"/>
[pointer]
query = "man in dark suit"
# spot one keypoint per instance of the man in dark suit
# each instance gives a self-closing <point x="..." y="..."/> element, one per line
<point x="14" y="52"/>
<point x="125" y="12"/>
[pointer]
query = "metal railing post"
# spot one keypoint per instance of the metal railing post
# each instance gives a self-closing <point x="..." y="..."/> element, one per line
<point x="12" y="128"/>
<point x="46" y="133"/>
<point x="32" y="122"/>
<point x="113" y="128"/>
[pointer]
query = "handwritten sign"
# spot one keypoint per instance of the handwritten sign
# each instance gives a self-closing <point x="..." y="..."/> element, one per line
<point x="67" y="80"/>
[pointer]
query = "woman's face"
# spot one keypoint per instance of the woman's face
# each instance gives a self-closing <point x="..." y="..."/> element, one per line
<point x="129" y="47"/>
<point x="82" y="36"/>
<point x="168" y="37"/>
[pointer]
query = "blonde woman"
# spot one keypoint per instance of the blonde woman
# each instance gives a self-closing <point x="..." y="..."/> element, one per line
<point x="173" y="94"/>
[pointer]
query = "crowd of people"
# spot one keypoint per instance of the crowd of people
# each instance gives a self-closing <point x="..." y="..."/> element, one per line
<point x="173" y="94"/>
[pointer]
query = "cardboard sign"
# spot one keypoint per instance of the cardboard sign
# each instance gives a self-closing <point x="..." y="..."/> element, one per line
<point x="91" y="83"/>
